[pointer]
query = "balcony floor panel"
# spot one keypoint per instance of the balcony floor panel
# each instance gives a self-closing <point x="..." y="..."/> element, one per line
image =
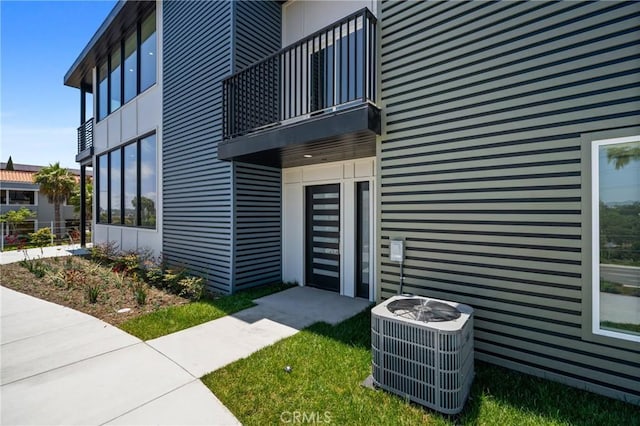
<point x="334" y="136"/>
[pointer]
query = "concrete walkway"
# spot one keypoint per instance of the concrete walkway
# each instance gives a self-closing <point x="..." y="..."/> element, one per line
<point x="60" y="366"/>
<point x="34" y="253"/>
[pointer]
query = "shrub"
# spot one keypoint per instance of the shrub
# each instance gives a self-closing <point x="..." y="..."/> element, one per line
<point x="104" y="252"/>
<point x="171" y="279"/>
<point x="41" y="238"/>
<point x="191" y="287"/>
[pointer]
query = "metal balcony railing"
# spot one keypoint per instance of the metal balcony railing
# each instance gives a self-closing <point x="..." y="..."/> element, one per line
<point x="328" y="70"/>
<point x="85" y="135"/>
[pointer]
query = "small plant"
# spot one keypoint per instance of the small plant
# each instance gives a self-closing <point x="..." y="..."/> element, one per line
<point x="139" y="292"/>
<point x="171" y="279"/>
<point x="104" y="252"/>
<point x="36" y="266"/>
<point x="128" y="263"/>
<point x="41" y="238"/>
<point x="74" y="278"/>
<point x="56" y="278"/>
<point x="68" y="263"/>
<point x="154" y="276"/>
<point x="92" y="291"/>
<point x="191" y="287"/>
<point x="118" y="280"/>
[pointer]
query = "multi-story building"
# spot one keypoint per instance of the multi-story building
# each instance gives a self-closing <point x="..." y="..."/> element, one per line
<point x="18" y="190"/>
<point x="264" y="141"/>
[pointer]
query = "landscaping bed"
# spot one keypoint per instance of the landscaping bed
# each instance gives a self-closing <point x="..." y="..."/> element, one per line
<point x="132" y="290"/>
<point x="67" y="281"/>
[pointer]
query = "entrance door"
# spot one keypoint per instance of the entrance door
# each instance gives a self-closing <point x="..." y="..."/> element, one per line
<point x="322" y="246"/>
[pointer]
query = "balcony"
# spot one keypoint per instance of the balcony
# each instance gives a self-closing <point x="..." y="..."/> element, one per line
<point x="315" y="98"/>
<point x="85" y="141"/>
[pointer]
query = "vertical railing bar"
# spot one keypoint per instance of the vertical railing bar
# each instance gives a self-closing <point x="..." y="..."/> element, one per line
<point x="349" y="66"/>
<point x="339" y="100"/>
<point x="374" y="62"/>
<point x="364" y="57"/>
<point x="290" y="84"/>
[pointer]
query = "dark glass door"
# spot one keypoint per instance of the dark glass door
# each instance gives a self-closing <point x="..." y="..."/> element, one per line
<point x="363" y="243"/>
<point x="322" y="263"/>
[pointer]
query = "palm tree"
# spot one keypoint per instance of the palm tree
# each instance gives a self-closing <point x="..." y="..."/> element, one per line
<point x="57" y="184"/>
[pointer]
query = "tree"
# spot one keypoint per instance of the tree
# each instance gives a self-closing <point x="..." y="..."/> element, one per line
<point x="74" y="200"/>
<point x="57" y="184"/>
<point x="15" y="217"/>
<point x="621" y="155"/>
<point x="9" y="165"/>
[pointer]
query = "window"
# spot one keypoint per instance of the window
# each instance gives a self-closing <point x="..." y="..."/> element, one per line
<point x="148" y="192"/>
<point x="148" y="52"/>
<point x="616" y="237"/>
<point x="3" y="197"/>
<point x="103" y="90"/>
<point x="22" y="197"/>
<point x="103" y="193"/>
<point x="130" y="67"/>
<point x="130" y="183"/>
<point x="115" y="88"/>
<point x="115" y="188"/>
<point x="126" y="175"/>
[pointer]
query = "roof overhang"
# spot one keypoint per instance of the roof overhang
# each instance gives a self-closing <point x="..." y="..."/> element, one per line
<point x="121" y="18"/>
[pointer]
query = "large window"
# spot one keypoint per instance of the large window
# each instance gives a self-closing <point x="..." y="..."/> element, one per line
<point x="148" y="191"/>
<point x="130" y="183"/>
<point x="616" y="237"/>
<point x="131" y="68"/>
<point x="126" y="175"/>
<point x="103" y="189"/>
<point x="148" y="52"/>
<point x="103" y="91"/>
<point x="22" y="197"/>
<point x="115" y="189"/>
<point x="115" y="88"/>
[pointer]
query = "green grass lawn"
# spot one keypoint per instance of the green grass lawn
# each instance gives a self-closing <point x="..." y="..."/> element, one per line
<point x="176" y="318"/>
<point x="330" y="362"/>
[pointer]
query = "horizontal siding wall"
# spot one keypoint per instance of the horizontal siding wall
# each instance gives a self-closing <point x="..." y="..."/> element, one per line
<point x="196" y="185"/>
<point x="257" y="237"/>
<point x="257" y="225"/>
<point x="480" y="170"/>
<point x="257" y="31"/>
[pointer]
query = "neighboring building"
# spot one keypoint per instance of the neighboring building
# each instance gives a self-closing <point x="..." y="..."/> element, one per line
<point x="17" y="190"/>
<point x="292" y="140"/>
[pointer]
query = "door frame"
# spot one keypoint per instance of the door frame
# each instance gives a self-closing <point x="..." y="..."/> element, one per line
<point x="346" y="174"/>
<point x="308" y="233"/>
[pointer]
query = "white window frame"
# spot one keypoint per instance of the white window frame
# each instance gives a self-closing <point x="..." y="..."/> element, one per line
<point x="595" y="238"/>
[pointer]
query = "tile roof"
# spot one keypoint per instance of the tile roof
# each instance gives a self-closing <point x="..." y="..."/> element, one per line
<point x="16" y="176"/>
<point x="23" y="177"/>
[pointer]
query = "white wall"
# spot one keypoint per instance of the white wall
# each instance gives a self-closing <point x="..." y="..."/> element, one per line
<point x="301" y="18"/>
<point x="140" y="116"/>
<point x="294" y="181"/>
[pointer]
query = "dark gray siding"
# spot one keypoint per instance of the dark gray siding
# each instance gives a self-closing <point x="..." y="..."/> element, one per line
<point x="257" y="225"/>
<point x="257" y="237"/>
<point x="480" y="169"/>
<point x="257" y="31"/>
<point x="196" y="185"/>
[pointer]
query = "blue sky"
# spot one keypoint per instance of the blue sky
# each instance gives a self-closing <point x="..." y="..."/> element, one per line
<point x="39" y="40"/>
